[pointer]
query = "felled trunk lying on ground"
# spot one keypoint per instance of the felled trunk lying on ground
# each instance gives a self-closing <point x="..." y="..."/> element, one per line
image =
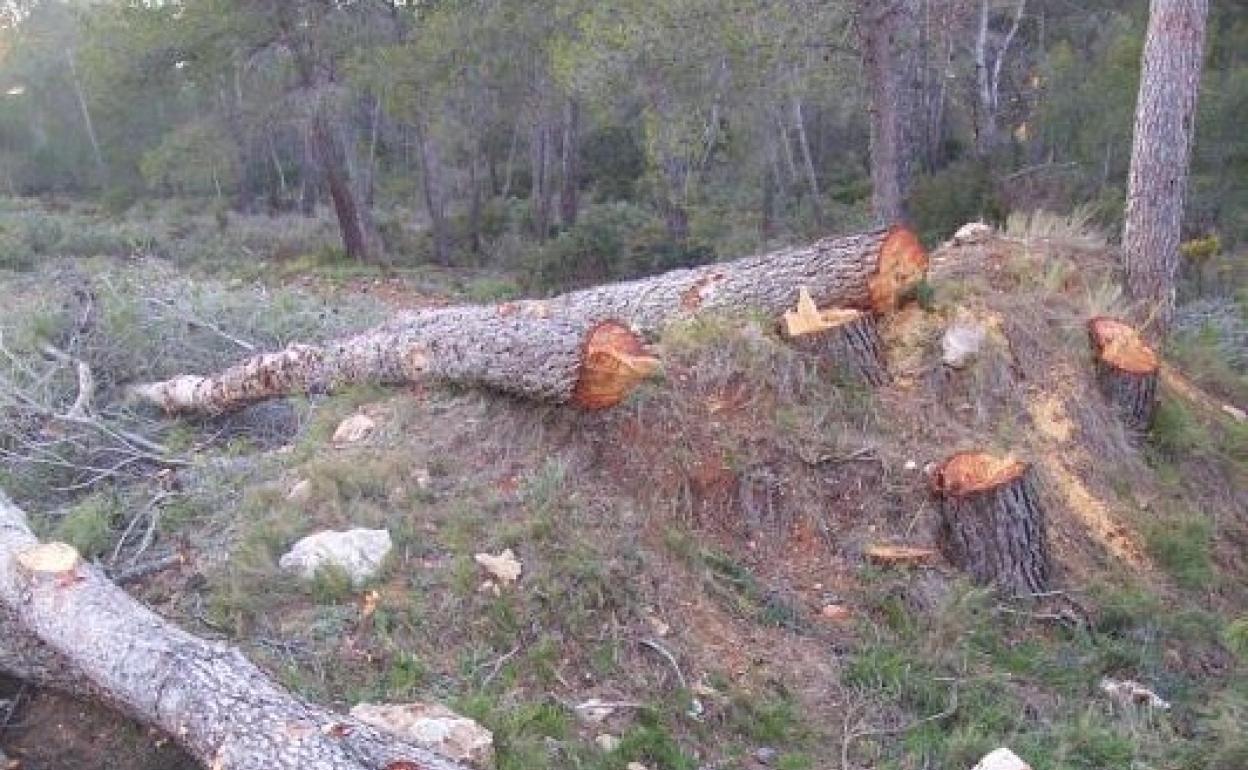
<point x="867" y="271"/>
<point x="992" y="524"/>
<point x="844" y="337"/>
<point x="1126" y="370"/>
<point x="64" y="625"/>
<point x="594" y="365"/>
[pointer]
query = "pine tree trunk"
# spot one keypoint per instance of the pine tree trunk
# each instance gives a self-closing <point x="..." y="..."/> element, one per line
<point x="570" y="172"/>
<point x="64" y="625"/>
<point x="594" y="365"/>
<point x="992" y="525"/>
<point x="341" y="191"/>
<point x="1126" y="371"/>
<point x="879" y="31"/>
<point x="1165" y="121"/>
<point x="868" y="271"/>
<point x="435" y="198"/>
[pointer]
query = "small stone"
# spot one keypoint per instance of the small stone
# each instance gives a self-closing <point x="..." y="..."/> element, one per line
<point x="423" y="479"/>
<point x="300" y="492"/>
<point x="636" y="766"/>
<point x="911" y="465"/>
<point x="503" y="567"/>
<point x="836" y="612"/>
<point x="1002" y="759"/>
<point x="594" y="711"/>
<point x="353" y="430"/>
<point x="972" y="233"/>
<point x="657" y="625"/>
<point x="766" y="755"/>
<point x="1129" y="693"/>
<point x="358" y="552"/>
<point x="607" y="743"/>
<point x="962" y="343"/>
<point x="432" y="726"/>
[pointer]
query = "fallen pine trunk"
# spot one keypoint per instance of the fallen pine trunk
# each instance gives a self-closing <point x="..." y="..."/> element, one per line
<point x="868" y="271"/>
<point x="594" y="365"/>
<point x="1126" y="370"/>
<point x="992" y="524"/>
<point x="64" y="625"/>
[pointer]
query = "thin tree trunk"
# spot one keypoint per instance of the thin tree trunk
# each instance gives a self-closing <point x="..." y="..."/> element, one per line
<point x="880" y="27"/>
<point x="511" y="162"/>
<point x="341" y="191"/>
<point x="539" y="198"/>
<point x="1165" y="122"/>
<point x="277" y="166"/>
<point x="435" y="197"/>
<point x="808" y="161"/>
<point x="570" y="167"/>
<point x="64" y="625"/>
<point x="474" y="201"/>
<point x="985" y="120"/>
<point x="87" y="123"/>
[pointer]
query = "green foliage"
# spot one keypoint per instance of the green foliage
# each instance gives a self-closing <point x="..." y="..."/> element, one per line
<point x="940" y="203"/>
<point x="1183" y="548"/>
<point x="88" y="525"/>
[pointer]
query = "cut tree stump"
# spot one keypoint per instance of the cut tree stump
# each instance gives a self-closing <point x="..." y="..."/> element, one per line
<point x="992" y="525"/>
<point x="64" y="625"/>
<point x="593" y="365"/>
<point x="1126" y="370"/>
<point x="846" y="337"/>
<point x="869" y="271"/>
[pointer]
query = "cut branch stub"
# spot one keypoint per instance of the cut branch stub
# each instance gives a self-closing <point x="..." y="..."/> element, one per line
<point x="1126" y="370"/>
<point x="59" y="560"/>
<point x="992" y="525"/>
<point x="844" y="336"/>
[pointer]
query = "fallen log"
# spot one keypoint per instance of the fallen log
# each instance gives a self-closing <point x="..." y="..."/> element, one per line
<point x="868" y="271"/>
<point x="1126" y="370"/>
<point x="64" y="625"/>
<point x="594" y="365"/>
<point x="991" y="522"/>
<point x="844" y="337"/>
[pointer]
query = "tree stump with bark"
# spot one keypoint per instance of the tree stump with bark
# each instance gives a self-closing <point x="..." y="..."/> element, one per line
<point x="846" y="337"/>
<point x="1126" y="370"/>
<point x="992" y="524"/>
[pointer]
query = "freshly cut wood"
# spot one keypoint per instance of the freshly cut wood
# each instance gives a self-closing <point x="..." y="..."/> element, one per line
<point x="886" y="555"/>
<point x="868" y="271"/>
<point x="992" y="524"/>
<point x="846" y="337"/>
<point x="592" y="364"/>
<point x="1126" y="370"/>
<point x="64" y="625"/>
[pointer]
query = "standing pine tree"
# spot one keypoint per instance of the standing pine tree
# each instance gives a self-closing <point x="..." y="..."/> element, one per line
<point x="1165" y="118"/>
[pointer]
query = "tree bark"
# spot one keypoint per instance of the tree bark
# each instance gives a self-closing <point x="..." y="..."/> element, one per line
<point x="332" y="157"/>
<point x="1165" y="121"/>
<point x="570" y="172"/>
<point x="594" y="365"/>
<point x="868" y="271"/>
<point x="1126" y="371"/>
<point x="880" y="26"/>
<point x="67" y="627"/>
<point x="435" y="195"/>
<point x="846" y="338"/>
<point x="992" y="524"/>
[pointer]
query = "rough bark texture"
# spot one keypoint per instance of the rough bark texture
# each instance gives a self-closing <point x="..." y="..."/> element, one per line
<point x="867" y="271"/>
<point x="331" y="154"/>
<point x="220" y="708"/>
<point x="879" y="24"/>
<point x="1165" y="121"/>
<point x="848" y="339"/>
<point x="992" y="524"/>
<point x="1126" y="371"/>
<point x="594" y="365"/>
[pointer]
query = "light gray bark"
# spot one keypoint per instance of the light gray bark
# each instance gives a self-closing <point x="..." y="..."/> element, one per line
<point x="847" y="271"/>
<point x="88" y="124"/>
<point x="880" y="25"/>
<point x="1165" y="122"/>
<point x="75" y="631"/>
<point x="495" y="347"/>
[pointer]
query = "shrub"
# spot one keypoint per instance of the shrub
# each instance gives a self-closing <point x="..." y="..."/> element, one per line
<point x="1183" y="548"/>
<point x="940" y="203"/>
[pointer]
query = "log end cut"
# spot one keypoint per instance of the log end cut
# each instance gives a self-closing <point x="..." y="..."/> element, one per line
<point x="902" y="265"/>
<point x="49" y="560"/>
<point x="966" y="473"/>
<point x="614" y="362"/>
<point x="1119" y="346"/>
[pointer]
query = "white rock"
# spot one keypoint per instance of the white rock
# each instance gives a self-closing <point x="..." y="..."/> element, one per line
<point x="972" y="233"/>
<point x="435" y="727"/>
<point x="358" y="552"/>
<point x="636" y="766"/>
<point x="1129" y="693"/>
<point x="607" y="743"/>
<point x="594" y="710"/>
<point x="961" y="343"/>
<point x="1002" y="759"/>
<point x="354" y="429"/>
<point x="503" y="567"/>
